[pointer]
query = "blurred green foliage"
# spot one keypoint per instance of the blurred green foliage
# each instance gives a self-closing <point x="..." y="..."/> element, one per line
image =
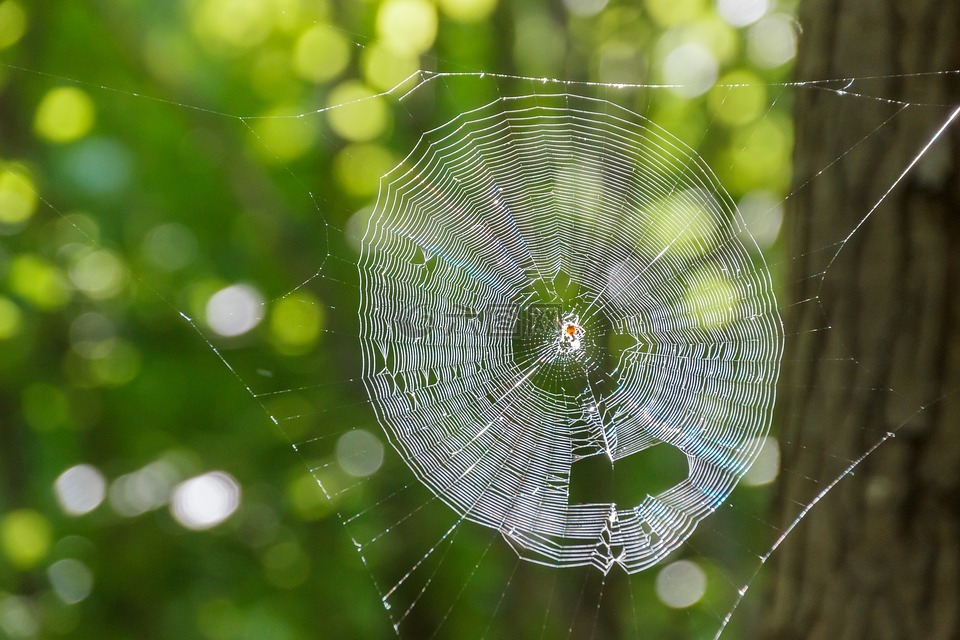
<point x="149" y="158"/>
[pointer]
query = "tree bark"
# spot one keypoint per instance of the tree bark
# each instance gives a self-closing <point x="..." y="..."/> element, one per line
<point x="876" y="348"/>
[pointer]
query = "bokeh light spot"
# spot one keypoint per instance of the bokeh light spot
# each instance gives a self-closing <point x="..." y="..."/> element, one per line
<point x="76" y="229"/>
<point x="295" y="322"/>
<point x="18" y="196"/>
<point x="715" y="35"/>
<point x="681" y="224"/>
<point x="740" y="13"/>
<point x="668" y="13"/>
<point x="467" y="10"/>
<point x="384" y="69"/>
<point x="766" y="467"/>
<point x="80" y="489"/>
<point x="205" y="501"/>
<point x="91" y="333"/>
<point x="234" y="310"/>
<point x="25" y="536"/>
<point x="233" y="24"/>
<point x="11" y="319"/>
<point x="13" y="23"/>
<point x="738" y="98"/>
<point x="540" y="45"/>
<point x="359" y="167"/>
<point x="356" y="226"/>
<point x="681" y="584"/>
<point x="359" y="453"/>
<point x="99" y="274"/>
<point x="407" y="26"/>
<point x="99" y="166"/>
<point x="772" y="41"/>
<point x="363" y="115"/>
<point x="169" y="54"/>
<point x="692" y="68"/>
<point x="143" y="490"/>
<point x="585" y="8"/>
<point x="320" y="54"/>
<point x="762" y="212"/>
<point x="116" y="364"/>
<point x="282" y="136"/>
<point x="620" y="62"/>
<point x="64" y="114"/>
<point x="39" y="282"/>
<point x="19" y="617"/>
<point x="71" y="580"/>
<point x="760" y="155"/>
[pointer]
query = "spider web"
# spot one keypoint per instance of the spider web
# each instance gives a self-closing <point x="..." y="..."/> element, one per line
<point x="551" y="226"/>
<point x="548" y="280"/>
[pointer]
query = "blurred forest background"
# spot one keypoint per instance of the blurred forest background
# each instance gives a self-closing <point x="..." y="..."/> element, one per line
<point x="131" y="191"/>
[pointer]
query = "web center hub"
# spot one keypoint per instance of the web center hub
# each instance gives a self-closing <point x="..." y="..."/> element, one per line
<point x="571" y="335"/>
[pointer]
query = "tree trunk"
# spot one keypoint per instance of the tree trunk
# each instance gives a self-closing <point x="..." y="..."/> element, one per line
<point x="877" y="350"/>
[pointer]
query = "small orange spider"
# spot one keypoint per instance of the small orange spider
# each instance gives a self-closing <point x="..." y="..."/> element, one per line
<point x="570" y="335"/>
